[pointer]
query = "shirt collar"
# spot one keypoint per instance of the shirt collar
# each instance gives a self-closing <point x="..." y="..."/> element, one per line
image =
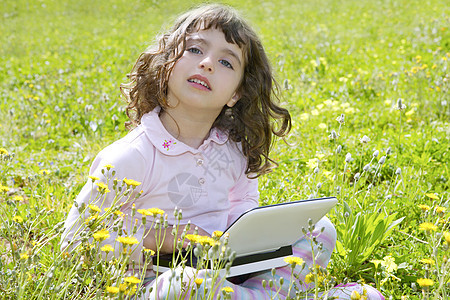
<point x="167" y="144"/>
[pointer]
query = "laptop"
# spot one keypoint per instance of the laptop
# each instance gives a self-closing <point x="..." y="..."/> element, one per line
<point x="263" y="236"/>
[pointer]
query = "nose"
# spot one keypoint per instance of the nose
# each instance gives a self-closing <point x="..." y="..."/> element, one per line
<point x="207" y="64"/>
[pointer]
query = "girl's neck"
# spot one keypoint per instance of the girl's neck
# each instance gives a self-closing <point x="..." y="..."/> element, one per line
<point x="188" y="129"/>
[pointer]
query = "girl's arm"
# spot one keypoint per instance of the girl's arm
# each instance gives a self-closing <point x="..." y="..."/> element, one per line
<point x="243" y="196"/>
<point x="168" y="243"/>
<point x="124" y="161"/>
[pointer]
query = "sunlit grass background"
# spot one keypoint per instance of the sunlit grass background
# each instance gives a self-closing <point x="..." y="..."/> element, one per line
<point x="61" y="64"/>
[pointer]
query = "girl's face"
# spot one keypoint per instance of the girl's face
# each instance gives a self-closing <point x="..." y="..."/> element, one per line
<point x="207" y="75"/>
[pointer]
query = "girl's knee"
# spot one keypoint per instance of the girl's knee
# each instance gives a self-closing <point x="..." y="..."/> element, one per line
<point x="326" y="234"/>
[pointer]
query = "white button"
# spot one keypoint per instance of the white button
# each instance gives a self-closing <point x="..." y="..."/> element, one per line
<point x="199" y="162"/>
<point x="201" y="180"/>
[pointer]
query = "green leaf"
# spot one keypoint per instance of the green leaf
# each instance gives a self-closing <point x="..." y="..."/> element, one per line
<point x="340" y="249"/>
<point x="347" y="208"/>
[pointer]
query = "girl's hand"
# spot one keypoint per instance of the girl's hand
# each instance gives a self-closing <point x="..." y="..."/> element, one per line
<point x="168" y="244"/>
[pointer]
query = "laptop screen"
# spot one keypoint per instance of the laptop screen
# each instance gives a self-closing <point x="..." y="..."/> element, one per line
<point x="268" y="228"/>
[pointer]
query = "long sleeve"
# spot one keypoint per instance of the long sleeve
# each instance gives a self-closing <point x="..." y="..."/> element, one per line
<point x="243" y="196"/>
<point x="127" y="163"/>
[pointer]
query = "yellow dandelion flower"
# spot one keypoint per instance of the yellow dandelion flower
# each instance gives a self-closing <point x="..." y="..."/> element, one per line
<point x="321" y="280"/>
<point x="328" y="102"/>
<point x="112" y="289"/>
<point x="312" y="163"/>
<point x="427" y="261"/>
<point x="415" y="69"/>
<point x="127" y="289"/>
<point x="425" y="282"/>
<point x="108" y="167"/>
<point x="18" y="198"/>
<point x="350" y="110"/>
<point x="193" y="237"/>
<point x="440" y="210"/>
<point x="156" y="211"/>
<point x="18" y="219"/>
<point x="304" y="116"/>
<point x="423" y="207"/>
<point x="127" y="240"/>
<point x="149" y="251"/>
<point x="432" y="196"/>
<point x="198" y="281"/>
<point x="309" y="278"/>
<point x="44" y="172"/>
<point x="93" y="178"/>
<point x="227" y="289"/>
<point x="118" y="213"/>
<point x="409" y="112"/>
<point x="4" y="188"/>
<point x="320" y="156"/>
<point x="132" y="280"/>
<point x="102" y="188"/>
<point x="131" y="182"/>
<point x="107" y="248"/>
<point x="3" y="151"/>
<point x="101" y="185"/>
<point x="204" y="240"/>
<point x="376" y="262"/>
<point x="217" y="234"/>
<point x="91" y="218"/>
<point x="101" y="235"/>
<point x="328" y="174"/>
<point x="447" y="237"/>
<point x="428" y="227"/>
<point x="123" y="287"/>
<point x="293" y="260"/>
<point x="24" y="256"/>
<point x="151" y="212"/>
<point x="144" y="212"/>
<point x="94" y="208"/>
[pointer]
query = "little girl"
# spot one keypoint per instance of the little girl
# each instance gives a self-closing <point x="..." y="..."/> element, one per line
<point x="202" y="110"/>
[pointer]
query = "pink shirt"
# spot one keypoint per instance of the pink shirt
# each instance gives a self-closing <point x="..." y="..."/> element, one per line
<point x="209" y="183"/>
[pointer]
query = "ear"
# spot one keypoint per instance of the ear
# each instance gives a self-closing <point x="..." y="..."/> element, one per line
<point x="233" y="100"/>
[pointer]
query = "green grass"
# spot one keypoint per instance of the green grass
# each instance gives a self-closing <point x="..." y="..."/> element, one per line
<point x="61" y="64"/>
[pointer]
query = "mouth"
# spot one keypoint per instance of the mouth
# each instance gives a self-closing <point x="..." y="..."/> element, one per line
<point x="200" y="81"/>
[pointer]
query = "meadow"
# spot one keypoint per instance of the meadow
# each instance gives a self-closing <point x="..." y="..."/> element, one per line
<point x="366" y="82"/>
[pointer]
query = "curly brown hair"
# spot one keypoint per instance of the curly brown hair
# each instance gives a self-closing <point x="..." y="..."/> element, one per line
<point x="254" y="118"/>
